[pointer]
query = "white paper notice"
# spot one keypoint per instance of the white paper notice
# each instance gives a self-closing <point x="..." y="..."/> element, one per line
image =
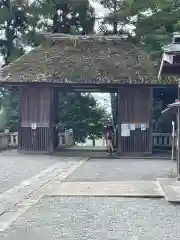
<point x="143" y="127"/>
<point x="132" y="127"/>
<point x="125" y="131"/>
<point x="33" y="126"/>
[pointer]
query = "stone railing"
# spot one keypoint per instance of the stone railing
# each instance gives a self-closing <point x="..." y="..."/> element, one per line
<point x="4" y="140"/>
<point x="13" y="140"/>
<point x="65" y="139"/>
<point x="10" y="140"/>
<point x="162" y="140"/>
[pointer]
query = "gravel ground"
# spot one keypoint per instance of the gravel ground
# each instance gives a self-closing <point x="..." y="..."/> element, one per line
<point x="15" y="168"/>
<point x="97" y="219"/>
<point x="121" y="169"/>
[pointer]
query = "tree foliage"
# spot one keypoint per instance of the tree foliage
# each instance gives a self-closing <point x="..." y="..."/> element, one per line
<point x="82" y="113"/>
<point x="150" y="23"/>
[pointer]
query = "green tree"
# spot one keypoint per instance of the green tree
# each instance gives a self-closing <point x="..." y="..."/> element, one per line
<point x="17" y="20"/>
<point x="97" y="123"/>
<point x="16" y="24"/>
<point x="150" y="23"/>
<point x="9" y="109"/>
<point x="81" y="113"/>
<point x="63" y="16"/>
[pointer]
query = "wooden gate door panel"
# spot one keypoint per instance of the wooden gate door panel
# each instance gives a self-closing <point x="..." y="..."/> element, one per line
<point x="37" y="119"/>
<point x="135" y="109"/>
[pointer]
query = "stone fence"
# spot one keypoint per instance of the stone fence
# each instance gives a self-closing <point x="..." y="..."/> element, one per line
<point x="10" y="140"/>
<point x="66" y="139"/>
<point x="162" y="140"/>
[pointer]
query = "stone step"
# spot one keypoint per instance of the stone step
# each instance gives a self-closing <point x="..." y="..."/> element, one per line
<point x="142" y="189"/>
<point x="171" y="189"/>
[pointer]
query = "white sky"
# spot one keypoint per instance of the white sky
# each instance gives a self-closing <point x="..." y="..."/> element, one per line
<point x="104" y="100"/>
<point x="100" y="11"/>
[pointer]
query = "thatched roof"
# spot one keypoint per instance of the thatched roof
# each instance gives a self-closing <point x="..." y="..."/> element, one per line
<point x="82" y="59"/>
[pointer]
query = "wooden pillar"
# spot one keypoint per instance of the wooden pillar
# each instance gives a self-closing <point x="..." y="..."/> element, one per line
<point x="134" y="120"/>
<point x="114" y="107"/>
<point x="37" y="119"/>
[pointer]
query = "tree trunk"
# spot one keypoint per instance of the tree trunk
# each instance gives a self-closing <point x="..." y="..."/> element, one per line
<point x="93" y="142"/>
<point x="115" y="23"/>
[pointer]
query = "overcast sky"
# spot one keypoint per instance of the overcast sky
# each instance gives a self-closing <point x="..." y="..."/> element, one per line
<point x="100" y="11"/>
<point x="104" y="100"/>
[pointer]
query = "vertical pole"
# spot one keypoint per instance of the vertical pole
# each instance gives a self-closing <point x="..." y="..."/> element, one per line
<point x="151" y="121"/>
<point x="118" y="123"/>
<point x="178" y="150"/>
<point x="173" y="143"/>
<point x="172" y="156"/>
<point x="178" y="136"/>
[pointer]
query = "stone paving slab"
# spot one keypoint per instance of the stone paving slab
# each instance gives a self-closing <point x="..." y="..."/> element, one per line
<point x="121" y="189"/>
<point x="171" y="189"/>
<point x="18" y="200"/>
<point x="102" y="170"/>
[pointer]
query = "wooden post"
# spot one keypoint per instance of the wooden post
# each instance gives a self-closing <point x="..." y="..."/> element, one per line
<point x="118" y="136"/>
<point x="178" y="136"/>
<point x="37" y="119"/>
<point x="178" y="150"/>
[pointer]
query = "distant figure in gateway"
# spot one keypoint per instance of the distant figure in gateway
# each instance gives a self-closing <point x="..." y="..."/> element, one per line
<point x="109" y="137"/>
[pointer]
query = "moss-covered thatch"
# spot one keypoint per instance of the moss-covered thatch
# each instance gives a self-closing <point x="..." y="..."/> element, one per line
<point x="88" y="60"/>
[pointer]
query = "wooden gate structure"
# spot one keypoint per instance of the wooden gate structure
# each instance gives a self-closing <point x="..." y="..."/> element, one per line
<point x="83" y="62"/>
<point x="38" y="118"/>
<point x="135" y="110"/>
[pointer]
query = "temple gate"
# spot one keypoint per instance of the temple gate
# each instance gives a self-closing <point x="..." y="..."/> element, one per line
<point x="83" y="62"/>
